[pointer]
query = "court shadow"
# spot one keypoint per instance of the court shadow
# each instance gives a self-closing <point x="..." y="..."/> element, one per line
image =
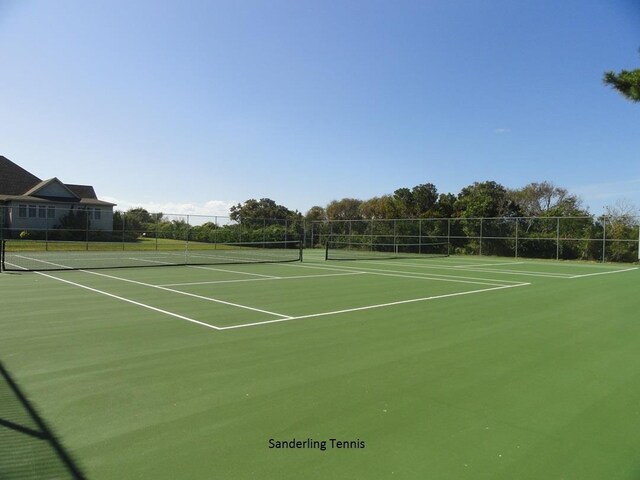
<point x="28" y="447"/>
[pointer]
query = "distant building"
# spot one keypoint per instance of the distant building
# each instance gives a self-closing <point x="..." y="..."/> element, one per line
<point x="29" y="203"/>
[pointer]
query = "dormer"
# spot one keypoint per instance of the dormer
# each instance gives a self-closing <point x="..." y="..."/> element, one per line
<point x="52" y="188"/>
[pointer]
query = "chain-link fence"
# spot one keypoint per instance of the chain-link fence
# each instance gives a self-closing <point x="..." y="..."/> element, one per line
<point x="599" y="238"/>
<point x="77" y="223"/>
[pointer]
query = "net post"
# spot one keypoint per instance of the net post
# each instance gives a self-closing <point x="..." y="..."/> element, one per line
<point x="301" y="246"/>
<point x="326" y="251"/>
<point x="2" y="248"/>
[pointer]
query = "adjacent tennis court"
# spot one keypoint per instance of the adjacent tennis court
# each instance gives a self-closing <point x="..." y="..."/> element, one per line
<point x="411" y="367"/>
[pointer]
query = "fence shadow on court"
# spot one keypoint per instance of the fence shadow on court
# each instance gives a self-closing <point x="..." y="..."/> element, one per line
<point x="28" y="447"/>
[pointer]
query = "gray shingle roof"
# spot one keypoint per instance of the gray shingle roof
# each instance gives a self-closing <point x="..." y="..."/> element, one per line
<point x="15" y="180"/>
<point x="16" y="183"/>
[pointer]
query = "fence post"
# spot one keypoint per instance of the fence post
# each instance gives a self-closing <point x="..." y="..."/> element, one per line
<point x="480" y="253"/>
<point x="86" y="228"/>
<point x="558" y="238"/>
<point x="604" y="237"/>
<point x="517" y="223"/>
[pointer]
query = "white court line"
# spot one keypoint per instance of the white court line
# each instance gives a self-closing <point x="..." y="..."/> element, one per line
<point x="604" y="273"/>
<point x="41" y="261"/>
<point x="476" y="270"/>
<point x="425" y="276"/>
<point x="261" y="279"/>
<point x="203" y="267"/>
<point x="201" y="297"/>
<point x="284" y="319"/>
<point x="480" y="265"/>
<point x="143" y="305"/>
<point x="370" y="307"/>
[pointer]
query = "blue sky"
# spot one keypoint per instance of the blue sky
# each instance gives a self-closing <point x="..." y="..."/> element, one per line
<point x="191" y="106"/>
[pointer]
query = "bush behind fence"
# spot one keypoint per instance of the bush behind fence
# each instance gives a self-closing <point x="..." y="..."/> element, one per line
<point x="600" y="238"/>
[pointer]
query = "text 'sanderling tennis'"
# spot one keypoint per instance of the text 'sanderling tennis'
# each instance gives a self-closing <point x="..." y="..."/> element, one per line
<point x="311" y="444"/>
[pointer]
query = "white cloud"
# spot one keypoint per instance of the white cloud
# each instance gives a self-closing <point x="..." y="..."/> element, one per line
<point x="501" y="131"/>
<point x="210" y="208"/>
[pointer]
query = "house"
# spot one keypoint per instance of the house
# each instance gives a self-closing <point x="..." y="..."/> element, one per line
<point x="28" y="203"/>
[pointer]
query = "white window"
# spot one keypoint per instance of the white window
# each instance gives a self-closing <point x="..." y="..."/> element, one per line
<point x="22" y="211"/>
<point x="42" y="211"/>
<point x="32" y="211"/>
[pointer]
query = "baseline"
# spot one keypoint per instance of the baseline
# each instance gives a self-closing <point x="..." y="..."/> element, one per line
<point x="604" y="273"/>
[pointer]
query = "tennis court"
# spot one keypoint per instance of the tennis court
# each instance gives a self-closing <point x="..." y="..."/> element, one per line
<point x="444" y="367"/>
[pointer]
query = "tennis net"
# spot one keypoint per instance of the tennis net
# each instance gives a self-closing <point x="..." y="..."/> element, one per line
<point x="27" y="255"/>
<point x="341" y="250"/>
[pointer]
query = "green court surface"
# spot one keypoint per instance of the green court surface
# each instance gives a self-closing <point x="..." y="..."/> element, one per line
<point x="440" y="368"/>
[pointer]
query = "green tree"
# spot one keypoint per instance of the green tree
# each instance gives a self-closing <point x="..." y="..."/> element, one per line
<point x="265" y="208"/>
<point x="627" y="82"/>
<point x="383" y="207"/>
<point x="316" y="214"/>
<point x="484" y="199"/>
<point x="445" y="206"/>
<point x="546" y="199"/>
<point x="345" y="209"/>
<point x="136" y="220"/>
<point x="425" y="197"/>
<point x="416" y="202"/>
<point x="404" y="198"/>
<point x="622" y="224"/>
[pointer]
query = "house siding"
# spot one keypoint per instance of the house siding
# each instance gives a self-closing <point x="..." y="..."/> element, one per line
<point x="34" y="220"/>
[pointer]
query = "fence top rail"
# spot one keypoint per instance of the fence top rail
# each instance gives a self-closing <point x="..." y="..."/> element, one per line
<point x="580" y="217"/>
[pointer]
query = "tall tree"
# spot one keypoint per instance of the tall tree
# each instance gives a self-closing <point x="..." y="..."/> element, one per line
<point x="623" y="211"/>
<point x="418" y="201"/>
<point x="345" y="209"/>
<point x="316" y="214"/>
<point x="546" y="199"/>
<point x="627" y="82"/>
<point x="445" y="206"/>
<point x="265" y="208"/>
<point x="404" y="198"/>
<point x="385" y="206"/>
<point x="484" y="199"/>
<point x="425" y="197"/>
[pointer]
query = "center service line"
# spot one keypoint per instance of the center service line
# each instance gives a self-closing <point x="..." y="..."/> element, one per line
<point x="201" y="297"/>
<point x="370" y="307"/>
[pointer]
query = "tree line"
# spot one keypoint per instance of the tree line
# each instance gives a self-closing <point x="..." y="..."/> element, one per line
<point x="481" y="199"/>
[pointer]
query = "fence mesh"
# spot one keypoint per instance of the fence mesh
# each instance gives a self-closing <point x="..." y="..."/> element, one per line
<point x="597" y="238"/>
